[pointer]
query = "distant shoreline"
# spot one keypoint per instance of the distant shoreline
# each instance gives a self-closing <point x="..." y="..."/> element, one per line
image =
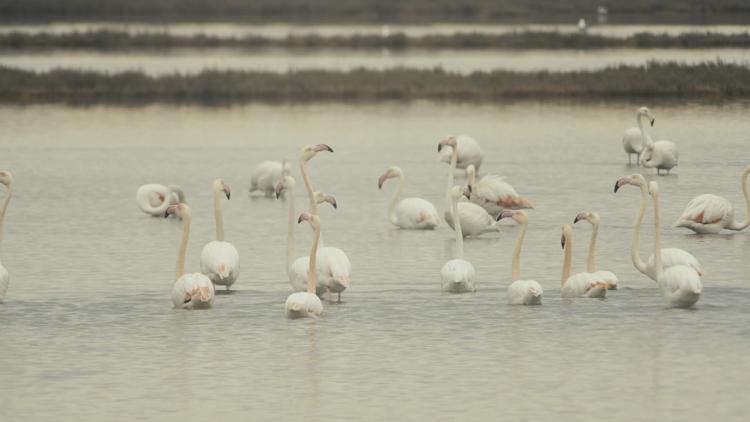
<point x="117" y="40"/>
<point x="656" y="81"/>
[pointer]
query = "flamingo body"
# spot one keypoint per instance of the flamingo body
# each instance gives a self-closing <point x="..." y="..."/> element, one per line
<point x="474" y="219"/>
<point x="220" y="262"/>
<point x="266" y="175"/>
<point x="608" y="277"/>
<point x="335" y="269"/>
<point x="707" y="214"/>
<point x="469" y="152"/>
<point x="193" y="291"/>
<point x="303" y="305"/>
<point x="415" y="213"/>
<point x="632" y="140"/>
<point x="584" y="285"/>
<point x="681" y="286"/>
<point x="661" y="155"/>
<point x="149" y="197"/>
<point x="671" y="257"/>
<point x="525" y="292"/>
<point x="458" y="276"/>
<point x="494" y="194"/>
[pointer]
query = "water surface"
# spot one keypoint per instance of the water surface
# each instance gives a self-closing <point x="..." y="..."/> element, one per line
<point x="88" y="330"/>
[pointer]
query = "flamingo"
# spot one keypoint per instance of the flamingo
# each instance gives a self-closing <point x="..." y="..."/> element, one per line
<point x="307" y="304"/>
<point x="6" y="179"/>
<point x="458" y="274"/>
<point x="409" y="213"/>
<point x="267" y="174"/>
<point x="663" y="154"/>
<point x="150" y="198"/>
<point x="710" y="213"/>
<point x="633" y="140"/>
<point x="468" y="148"/>
<point x="334" y="265"/>
<point x="474" y="219"/>
<point x="669" y="256"/>
<point x="493" y="193"/>
<point x="297" y="269"/>
<point x="608" y="276"/>
<point x="521" y="292"/>
<point x="580" y="284"/>
<point x="680" y="284"/>
<point x="220" y="261"/>
<point x="190" y="291"/>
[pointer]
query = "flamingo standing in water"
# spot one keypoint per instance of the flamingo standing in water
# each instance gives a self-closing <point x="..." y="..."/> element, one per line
<point x="493" y="193"/>
<point x="409" y="213"/>
<point x="710" y="213"/>
<point x="580" y="284"/>
<point x="307" y="304"/>
<point x="267" y="175"/>
<point x="608" y="276"/>
<point x="521" y="292"/>
<point x="220" y="261"/>
<point x="467" y="148"/>
<point x="458" y="273"/>
<point x="633" y="140"/>
<point x="6" y="179"/>
<point x="680" y="284"/>
<point x="190" y="291"/>
<point x="669" y="256"/>
<point x="662" y="154"/>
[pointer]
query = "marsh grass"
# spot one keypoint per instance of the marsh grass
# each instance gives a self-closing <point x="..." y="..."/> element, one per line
<point x="117" y="40"/>
<point x="670" y="80"/>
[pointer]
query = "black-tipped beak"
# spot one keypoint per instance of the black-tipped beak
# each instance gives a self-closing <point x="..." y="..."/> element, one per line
<point x="617" y="186"/>
<point x="652" y="122"/>
<point x="440" y="147"/>
<point x="299" y="220"/>
<point x="562" y="242"/>
<point x="469" y="187"/>
<point x="335" y="205"/>
<point x="166" y="213"/>
<point x="278" y="194"/>
<point x="577" y="219"/>
<point x="229" y="195"/>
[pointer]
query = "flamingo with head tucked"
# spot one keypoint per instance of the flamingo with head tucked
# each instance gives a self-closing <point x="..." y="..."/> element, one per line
<point x="493" y="193"/>
<point x="151" y="198"/>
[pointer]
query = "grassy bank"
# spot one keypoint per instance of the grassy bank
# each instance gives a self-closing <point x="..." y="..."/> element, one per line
<point x="715" y="80"/>
<point x="695" y="11"/>
<point x="114" y="40"/>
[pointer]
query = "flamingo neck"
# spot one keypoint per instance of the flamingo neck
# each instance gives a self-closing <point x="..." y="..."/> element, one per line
<point x="161" y="209"/>
<point x="8" y="195"/>
<point x="290" y="231"/>
<point x="312" y="272"/>
<point x="567" y="258"/>
<point x="644" y="136"/>
<point x="396" y="196"/>
<point x="218" y="216"/>
<point x="657" y="238"/>
<point x="635" y="245"/>
<point x="516" y="275"/>
<point x="459" y="233"/>
<point x="451" y="169"/>
<point x="733" y="226"/>
<point x="183" y="246"/>
<point x="591" y="262"/>
<point x="308" y="186"/>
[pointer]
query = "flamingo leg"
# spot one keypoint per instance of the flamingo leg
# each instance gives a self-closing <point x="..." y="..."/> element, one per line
<point x="339" y="301"/>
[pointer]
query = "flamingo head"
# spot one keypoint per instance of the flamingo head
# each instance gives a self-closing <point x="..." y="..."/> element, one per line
<point x="389" y="174"/>
<point x="321" y="197"/>
<point x="180" y="210"/>
<point x="634" y="179"/>
<point x="589" y="216"/>
<point x="458" y="191"/>
<point x="311" y="151"/>
<point x="645" y="112"/>
<point x="517" y="215"/>
<point x="447" y="142"/>
<point x="6" y="178"/>
<point x="220" y="186"/>
<point x="287" y="182"/>
<point x="310" y="218"/>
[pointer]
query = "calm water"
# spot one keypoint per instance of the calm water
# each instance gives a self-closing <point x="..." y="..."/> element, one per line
<point x="88" y="329"/>
<point x="283" y="30"/>
<point x="466" y="61"/>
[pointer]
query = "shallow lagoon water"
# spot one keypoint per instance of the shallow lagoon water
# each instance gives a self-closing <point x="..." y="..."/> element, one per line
<point x="88" y="330"/>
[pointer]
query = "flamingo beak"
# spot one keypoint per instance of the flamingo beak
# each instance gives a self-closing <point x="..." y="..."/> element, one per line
<point x="652" y="122"/>
<point x="303" y="217"/>
<point x="505" y="214"/>
<point x="279" y="188"/>
<point x="579" y="217"/>
<point x="170" y="210"/>
<point x="322" y="147"/>
<point x="227" y="192"/>
<point x="382" y="180"/>
<point x="331" y="200"/>
<point x="562" y="241"/>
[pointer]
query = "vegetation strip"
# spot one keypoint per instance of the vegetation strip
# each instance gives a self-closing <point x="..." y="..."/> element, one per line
<point x="114" y="40"/>
<point x="671" y="80"/>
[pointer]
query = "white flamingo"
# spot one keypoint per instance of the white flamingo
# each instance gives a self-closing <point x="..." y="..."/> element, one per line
<point x="521" y="292"/>
<point x="680" y="284"/>
<point x="458" y="274"/>
<point x="475" y="220"/>
<point x="608" y="276"/>
<point x="661" y="155"/>
<point x="190" y="291"/>
<point x="267" y="175"/>
<point x="669" y="256"/>
<point x="710" y="213"/>
<point x="220" y="261"/>
<point x="335" y="267"/>
<point x="581" y="284"/>
<point x="6" y="179"/>
<point x="409" y="213"/>
<point x="633" y="139"/>
<point x="296" y="269"/>
<point x="307" y="304"/>
<point x="493" y="193"/>
<point x="468" y="149"/>
<point x="150" y="198"/>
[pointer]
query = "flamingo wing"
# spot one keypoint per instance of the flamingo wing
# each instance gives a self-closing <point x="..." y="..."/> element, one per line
<point x="707" y="209"/>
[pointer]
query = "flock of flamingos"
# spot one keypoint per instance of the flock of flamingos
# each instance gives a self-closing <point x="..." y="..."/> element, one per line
<point x="472" y="210"/>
